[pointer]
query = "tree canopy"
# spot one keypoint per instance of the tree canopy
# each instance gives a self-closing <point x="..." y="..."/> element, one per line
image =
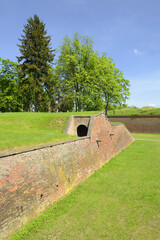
<point x="9" y="93"/>
<point x="80" y="79"/>
<point x="73" y="68"/>
<point x="88" y="80"/>
<point x="108" y="82"/>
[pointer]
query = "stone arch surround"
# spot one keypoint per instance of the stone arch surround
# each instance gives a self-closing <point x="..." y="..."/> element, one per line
<point x="74" y="122"/>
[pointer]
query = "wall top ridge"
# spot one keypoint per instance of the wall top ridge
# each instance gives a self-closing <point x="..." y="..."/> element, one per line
<point x="96" y="115"/>
<point x="42" y="147"/>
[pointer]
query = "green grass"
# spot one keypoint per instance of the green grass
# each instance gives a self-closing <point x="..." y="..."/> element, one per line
<point x="120" y="201"/>
<point x="134" y="111"/>
<point x="116" y="123"/>
<point x="26" y="130"/>
<point x="146" y="136"/>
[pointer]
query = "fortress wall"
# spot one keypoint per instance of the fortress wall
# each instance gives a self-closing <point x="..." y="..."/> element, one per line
<point x="33" y="180"/>
<point x="139" y="124"/>
<point x="121" y="133"/>
<point x="113" y="139"/>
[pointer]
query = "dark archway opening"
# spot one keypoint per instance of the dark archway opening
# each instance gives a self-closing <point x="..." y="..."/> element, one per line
<point x="82" y="130"/>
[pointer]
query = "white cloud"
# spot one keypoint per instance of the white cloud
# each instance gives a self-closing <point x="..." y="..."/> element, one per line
<point x="137" y="52"/>
<point x="151" y="105"/>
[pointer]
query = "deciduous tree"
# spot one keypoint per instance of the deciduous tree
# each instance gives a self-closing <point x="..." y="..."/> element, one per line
<point x="9" y="92"/>
<point x="73" y="67"/>
<point x="109" y="82"/>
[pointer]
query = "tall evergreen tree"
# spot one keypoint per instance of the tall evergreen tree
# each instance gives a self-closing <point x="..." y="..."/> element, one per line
<point x="36" y="59"/>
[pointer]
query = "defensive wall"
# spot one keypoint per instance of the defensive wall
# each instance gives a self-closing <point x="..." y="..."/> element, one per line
<point x="32" y="180"/>
<point x="139" y="124"/>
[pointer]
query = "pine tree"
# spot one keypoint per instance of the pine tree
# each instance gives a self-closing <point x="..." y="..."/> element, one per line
<point x="35" y="60"/>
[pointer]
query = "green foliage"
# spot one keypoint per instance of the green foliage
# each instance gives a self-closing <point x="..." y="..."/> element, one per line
<point x="108" y="82"/>
<point x="119" y="201"/>
<point x="90" y="80"/>
<point x="73" y="67"/>
<point x="81" y="80"/>
<point x="9" y="94"/>
<point x="35" y="68"/>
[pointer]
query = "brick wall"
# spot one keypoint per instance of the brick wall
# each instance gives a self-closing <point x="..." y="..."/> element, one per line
<point x="139" y="124"/>
<point x="31" y="181"/>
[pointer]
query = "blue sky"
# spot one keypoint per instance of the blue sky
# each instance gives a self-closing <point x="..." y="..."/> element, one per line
<point x="128" y="30"/>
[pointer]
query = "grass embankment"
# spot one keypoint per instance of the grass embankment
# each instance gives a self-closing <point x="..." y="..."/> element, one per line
<point x="134" y="111"/>
<point x="26" y="130"/>
<point x="146" y="136"/>
<point x="119" y="201"/>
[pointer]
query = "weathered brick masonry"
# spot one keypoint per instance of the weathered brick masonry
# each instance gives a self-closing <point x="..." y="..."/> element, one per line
<point x="32" y="180"/>
<point x="139" y="124"/>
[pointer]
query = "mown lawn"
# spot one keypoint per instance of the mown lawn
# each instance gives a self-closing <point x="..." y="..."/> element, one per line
<point x="120" y="201"/>
<point x="25" y="130"/>
<point x="140" y="136"/>
<point x="134" y="111"/>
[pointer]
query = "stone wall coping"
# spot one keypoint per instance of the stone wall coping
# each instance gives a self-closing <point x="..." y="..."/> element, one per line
<point x="96" y="115"/>
<point x="135" y="116"/>
<point x="42" y="147"/>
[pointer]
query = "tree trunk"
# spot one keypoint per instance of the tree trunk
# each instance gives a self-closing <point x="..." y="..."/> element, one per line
<point x="106" y="109"/>
<point x="22" y="104"/>
<point x="36" y="101"/>
<point x="76" y="102"/>
<point x="36" y="77"/>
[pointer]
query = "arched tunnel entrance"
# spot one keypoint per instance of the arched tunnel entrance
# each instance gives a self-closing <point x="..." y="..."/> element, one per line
<point x="82" y="131"/>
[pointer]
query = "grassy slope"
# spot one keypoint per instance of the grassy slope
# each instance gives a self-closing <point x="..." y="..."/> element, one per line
<point x="24" y="130"/>
<point x="153" y="137"/>
<point x="135" y="111"/>
<point x="119" y="201"/>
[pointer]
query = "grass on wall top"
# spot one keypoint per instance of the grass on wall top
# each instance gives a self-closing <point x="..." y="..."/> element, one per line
<point x="134" y="111"/>
<point x="26" y="130"/>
